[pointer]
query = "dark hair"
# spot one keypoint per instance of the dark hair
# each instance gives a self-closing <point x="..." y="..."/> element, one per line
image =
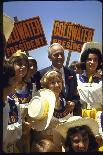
<point x="8" y="72"/>
<point x="88" y="51"/>
<point x="34" y="61"/>
<point x="83" y="130"/>
<point x="17" y="58"/>
<point x="79" y="65"/>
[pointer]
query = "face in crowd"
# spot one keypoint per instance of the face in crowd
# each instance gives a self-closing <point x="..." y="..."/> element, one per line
<point x="92" y="57"/>
<point x="80" y="143"/>
<point x="55" y="84"/>
<point x="56" y="55"/>
<point x="32" y="67"/>
<point x="20" y="64"/>
<point x="81" y="139"/>
<point x="53" y="80"/>
<point x="92" y="63"/>
<point x="21" y="68"/>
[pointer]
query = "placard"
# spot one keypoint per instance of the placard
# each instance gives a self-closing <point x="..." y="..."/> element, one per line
<point x="26" y="35"/>
<point x="70" y="35"/>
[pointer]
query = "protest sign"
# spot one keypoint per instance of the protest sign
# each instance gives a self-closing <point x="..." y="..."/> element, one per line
<point x="26" y="35"/>
<point x="71" y="35"/>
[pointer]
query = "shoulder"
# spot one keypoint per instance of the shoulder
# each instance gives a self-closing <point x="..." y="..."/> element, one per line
<point x="67" y="69"/>
<point x="44" y="70"/>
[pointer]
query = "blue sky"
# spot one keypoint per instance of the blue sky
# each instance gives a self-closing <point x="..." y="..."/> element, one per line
<point x="87" y="13"/>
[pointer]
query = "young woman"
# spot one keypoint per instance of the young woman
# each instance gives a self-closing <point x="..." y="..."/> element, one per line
<point x="90" y="81"/>
<point x="79" y="134"/>
<point x="19" y="100"/>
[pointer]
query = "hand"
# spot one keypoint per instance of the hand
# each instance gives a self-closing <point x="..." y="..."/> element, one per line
<point x="71" y="106"/>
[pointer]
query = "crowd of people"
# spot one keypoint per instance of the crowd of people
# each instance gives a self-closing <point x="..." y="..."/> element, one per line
<point x="56" y="109"/>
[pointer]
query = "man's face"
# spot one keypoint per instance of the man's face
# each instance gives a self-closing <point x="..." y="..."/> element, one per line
<point x="57" y="56"/>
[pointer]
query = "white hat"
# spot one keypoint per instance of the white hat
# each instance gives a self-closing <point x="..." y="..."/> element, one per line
<point x="41" y="108"/>
<point x="8" y="24"/>
<point x="77" y="121"/>
<point x="87" y="45"/>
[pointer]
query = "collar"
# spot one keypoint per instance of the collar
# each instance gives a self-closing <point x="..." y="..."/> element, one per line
<point x="84" y="78"/>
<point x="61" y="69"/>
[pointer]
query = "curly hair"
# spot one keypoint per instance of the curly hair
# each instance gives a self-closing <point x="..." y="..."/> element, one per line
<point x="88" y="51"/>
<point x="83" y="130"/>
<point x="51" y="74"/>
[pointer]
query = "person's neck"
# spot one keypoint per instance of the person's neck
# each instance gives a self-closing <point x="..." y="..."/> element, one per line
<point x="89" y="74"/>
<point x="20" y="85"/>
<point x="56" y="67"/>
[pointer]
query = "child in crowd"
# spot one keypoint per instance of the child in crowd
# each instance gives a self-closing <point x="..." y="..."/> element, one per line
<point x="45" y="145"/>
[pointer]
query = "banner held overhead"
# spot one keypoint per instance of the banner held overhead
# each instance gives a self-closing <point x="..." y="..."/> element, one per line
<point x="26" y="35"/>
<point x="71" y="35"/>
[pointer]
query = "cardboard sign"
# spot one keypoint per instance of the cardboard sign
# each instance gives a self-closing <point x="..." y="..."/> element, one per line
<point x="70" y="35"/>
<point x="26" y="35"/>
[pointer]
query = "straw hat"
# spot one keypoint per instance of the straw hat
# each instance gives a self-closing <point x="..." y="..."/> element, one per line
<point x="8" y="24"/>
<point x="41" y="108"/>
<point x="77" y="121"/>
<point x="87" y="45"/>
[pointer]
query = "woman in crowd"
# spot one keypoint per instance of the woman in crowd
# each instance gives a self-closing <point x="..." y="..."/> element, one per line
<point x="21" y="97"/>
<point x="79" y="134"/>
<point x="90" y="81"/>
<point x="53" y="81"/>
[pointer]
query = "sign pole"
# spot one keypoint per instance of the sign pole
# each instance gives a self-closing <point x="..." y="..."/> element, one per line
<point x="68" y="58"/>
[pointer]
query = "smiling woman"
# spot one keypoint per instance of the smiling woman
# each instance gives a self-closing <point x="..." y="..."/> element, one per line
<point x="89" y="83"/>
